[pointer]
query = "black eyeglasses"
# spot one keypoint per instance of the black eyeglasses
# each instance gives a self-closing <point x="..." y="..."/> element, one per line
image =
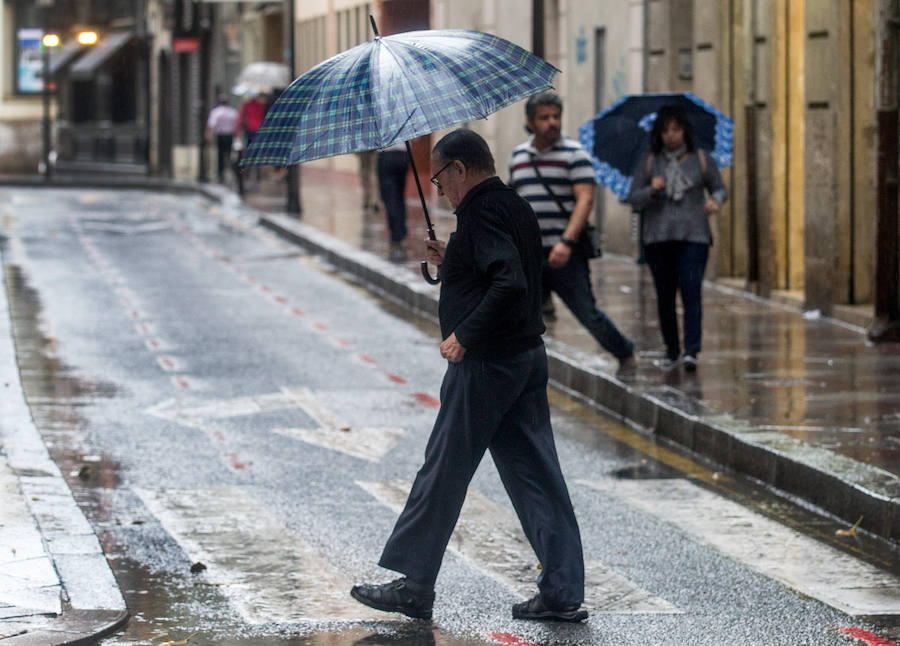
<point x="434" y="178"/>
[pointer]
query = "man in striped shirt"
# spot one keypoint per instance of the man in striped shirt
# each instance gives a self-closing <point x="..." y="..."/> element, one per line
<point x="554" y="174"/>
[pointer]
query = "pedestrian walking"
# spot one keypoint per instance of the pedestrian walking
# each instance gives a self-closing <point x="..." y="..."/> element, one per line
<point x="250" y="118"/>
<point x="220" y="127"/>
<point x="393" y="165"/>
<point x="555" y="175"/>
<point x="670" y="188"/>
<point x="493" y="397"/>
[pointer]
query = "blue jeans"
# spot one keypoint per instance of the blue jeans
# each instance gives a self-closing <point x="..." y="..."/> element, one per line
<point x="572" y="283"/>
<point x="679" y="266"/>
<point x="392" y="167"/>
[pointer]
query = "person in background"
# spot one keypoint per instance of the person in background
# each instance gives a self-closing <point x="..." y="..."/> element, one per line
<point x="494" y="397"/>
<point x="250" y="118"/>
<point x="555" y="175"/>
<point x="393" y="165"/>
<point x="220" y="127"/>
<point x="670" y="188"/>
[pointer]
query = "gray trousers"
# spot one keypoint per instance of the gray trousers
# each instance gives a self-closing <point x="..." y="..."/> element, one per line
<point x="499" y="405"/>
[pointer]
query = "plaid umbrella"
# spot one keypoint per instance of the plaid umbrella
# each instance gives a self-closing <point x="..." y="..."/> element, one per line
<point x="619" y="136"/>
<point x="394" y="89"/>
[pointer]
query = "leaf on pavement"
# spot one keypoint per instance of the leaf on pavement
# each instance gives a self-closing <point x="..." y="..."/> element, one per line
<point x="851" y="531"/>
<point x="180" y="642"/>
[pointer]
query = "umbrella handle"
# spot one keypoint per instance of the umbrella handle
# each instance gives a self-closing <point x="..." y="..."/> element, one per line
<point x="427" y="274"/>
<point x="431" y="280"/>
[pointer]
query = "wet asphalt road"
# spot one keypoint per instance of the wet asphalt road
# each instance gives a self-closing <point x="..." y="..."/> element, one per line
<point x="190" y="372"/>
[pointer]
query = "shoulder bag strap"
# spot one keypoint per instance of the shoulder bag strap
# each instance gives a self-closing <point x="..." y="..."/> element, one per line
<point x="556" y="199"/>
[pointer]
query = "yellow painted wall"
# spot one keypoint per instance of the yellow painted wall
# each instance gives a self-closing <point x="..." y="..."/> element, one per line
<point x="796" y="123"/>
<point x="788" y="120"/>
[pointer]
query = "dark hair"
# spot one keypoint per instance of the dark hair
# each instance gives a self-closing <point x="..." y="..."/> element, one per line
<point x="469" y="148"/>
<point x="664" y="115"/>
<point x="544" y="98"/>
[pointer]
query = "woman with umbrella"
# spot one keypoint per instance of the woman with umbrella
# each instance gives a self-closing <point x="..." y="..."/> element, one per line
<point x="670" y="188"/>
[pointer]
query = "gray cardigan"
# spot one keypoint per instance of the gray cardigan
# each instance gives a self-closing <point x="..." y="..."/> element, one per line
<point x="685" y="220"/>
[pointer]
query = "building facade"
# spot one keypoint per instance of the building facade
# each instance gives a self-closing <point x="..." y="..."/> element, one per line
<point x="811" y="85"/>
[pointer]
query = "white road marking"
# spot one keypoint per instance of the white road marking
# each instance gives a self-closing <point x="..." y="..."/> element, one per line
<point x="267" y="573"/>
<point x="490" y="538"/>
<point x="334" y="433"/>
<point x="370" y="444"/>
<point x="796" y="560"/>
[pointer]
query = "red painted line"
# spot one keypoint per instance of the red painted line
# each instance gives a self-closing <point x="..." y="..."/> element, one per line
<point x="281" y="299"/>
<point x="153" y="344"/>
<point x="367" y="359"/>
<point x="509" y="640"/>
<point x="266" y="288"/>
<point x="397" y="379"/>
<point x="236" y="463"/>
<point x="298" y="312"/>
<point x="866" y="637"/>
<point x="219" y="437"/>
<point x="427" y="399"/>
<point x="181" y="382"/>
<point x="252" y="279"/>
<point x="319" y="326"/>
<point x="344" y="343"/>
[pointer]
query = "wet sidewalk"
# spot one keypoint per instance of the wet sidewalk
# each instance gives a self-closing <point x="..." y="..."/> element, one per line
<point x="803" y="403"/>
<point x="55" y="584"/>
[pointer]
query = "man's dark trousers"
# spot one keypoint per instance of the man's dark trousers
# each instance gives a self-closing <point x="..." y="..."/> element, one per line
<point x="572" y="282"/>
<point x="501" y="405"/>
<point x="392" y="167"/>
<point x="223" y="148"/>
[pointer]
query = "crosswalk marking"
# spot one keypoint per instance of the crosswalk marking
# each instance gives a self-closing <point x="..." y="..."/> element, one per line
<point x="370" y="444"/>
<point x="332" y="432"/>
<point x="267" y="573"/>
<point x="798" y="561"/>
<point x="490" y="538"/>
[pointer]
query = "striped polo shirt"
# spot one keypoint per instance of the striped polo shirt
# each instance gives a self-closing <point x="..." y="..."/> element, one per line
<point x="562" y="165"/>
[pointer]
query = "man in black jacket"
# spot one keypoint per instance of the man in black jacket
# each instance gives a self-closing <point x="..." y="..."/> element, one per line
<point x="494" y="396"/>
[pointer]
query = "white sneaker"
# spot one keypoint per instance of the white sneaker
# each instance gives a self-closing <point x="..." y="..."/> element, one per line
<point x="666" y="364"/>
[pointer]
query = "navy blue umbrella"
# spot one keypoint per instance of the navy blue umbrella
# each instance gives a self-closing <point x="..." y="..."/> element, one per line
<point x="618" y="137"/>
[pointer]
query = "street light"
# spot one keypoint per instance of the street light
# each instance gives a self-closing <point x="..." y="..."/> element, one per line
<point x="48" y="42"/>
<point x="88" y="37"/>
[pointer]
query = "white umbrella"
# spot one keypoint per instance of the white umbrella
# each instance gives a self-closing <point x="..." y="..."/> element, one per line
<point x="262" y="77"/>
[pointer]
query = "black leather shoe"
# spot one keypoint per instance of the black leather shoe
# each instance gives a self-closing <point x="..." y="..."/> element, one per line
<point x="401" y="595"/>
<point x="535" y="609"/>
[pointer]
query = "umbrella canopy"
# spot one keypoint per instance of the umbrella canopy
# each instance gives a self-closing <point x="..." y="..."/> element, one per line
<point x="618" y="137"/>
<point x="263" y="77"/>
<point x="393" y="89"/>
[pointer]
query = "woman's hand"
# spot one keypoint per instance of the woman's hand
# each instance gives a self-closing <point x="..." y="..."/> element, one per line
<point x="657" y="184"/>
<point x="711" y="207"/>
